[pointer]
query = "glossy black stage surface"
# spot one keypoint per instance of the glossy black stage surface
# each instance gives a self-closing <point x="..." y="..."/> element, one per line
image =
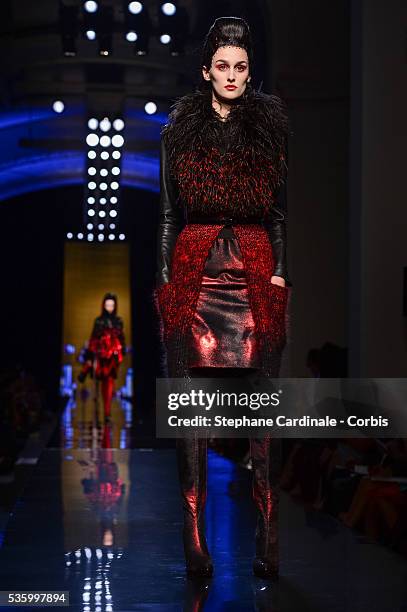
<point x="104" y="523"/>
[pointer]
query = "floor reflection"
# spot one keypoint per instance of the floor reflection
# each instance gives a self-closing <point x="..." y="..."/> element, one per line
<point x="90" y="570"/>
<point x="82" y="422"/>
<point x="105" y="524"/>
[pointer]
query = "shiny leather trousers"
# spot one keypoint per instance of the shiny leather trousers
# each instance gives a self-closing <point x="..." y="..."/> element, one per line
<point x="192" y="470"/>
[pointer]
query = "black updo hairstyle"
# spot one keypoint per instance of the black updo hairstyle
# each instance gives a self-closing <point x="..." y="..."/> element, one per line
<point x="225" y="31"/>
<point x="109" y="296"/>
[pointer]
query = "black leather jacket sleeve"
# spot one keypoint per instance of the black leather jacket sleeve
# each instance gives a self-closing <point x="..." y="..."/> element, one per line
<point x="277" y="231"/>
<point x="171" y="220"/>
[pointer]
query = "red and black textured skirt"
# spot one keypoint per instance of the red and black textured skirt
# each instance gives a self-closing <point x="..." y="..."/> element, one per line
<point x="223" y="329"/>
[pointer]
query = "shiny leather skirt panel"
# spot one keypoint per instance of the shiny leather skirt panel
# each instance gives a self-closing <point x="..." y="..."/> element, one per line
<point x="223" y="329"/>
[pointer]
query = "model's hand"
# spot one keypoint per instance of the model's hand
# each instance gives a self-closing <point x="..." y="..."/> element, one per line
<point x="278" y="280"/>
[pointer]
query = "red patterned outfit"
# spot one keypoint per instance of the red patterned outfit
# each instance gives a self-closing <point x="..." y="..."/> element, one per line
<point x="221" y="238"/>
<point x="222" y="235"/>
<point x="106" y="350"/>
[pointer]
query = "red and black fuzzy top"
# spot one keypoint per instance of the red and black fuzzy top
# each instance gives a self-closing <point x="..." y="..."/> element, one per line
<point x="107" y="337"/>
<point x="232" y="167"/>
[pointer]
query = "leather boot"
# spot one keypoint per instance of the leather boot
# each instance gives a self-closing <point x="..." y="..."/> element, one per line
<point x="192" y="471"/>
<point x="266" y="461"/>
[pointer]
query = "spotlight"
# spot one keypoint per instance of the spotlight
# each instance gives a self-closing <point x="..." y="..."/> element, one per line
<point x="168" y="8"/>
<point x="105" y="141"/>
<point x="58" y="106"/>
<point x="111" y="236"/>
<point x="92" y="140"/>
<point x="105" y="125"/>
<point x="103" y="177"/>
<point x="80" y="235"/>
<point x="173" y="24"/>
<point x="137" y="26"/>
<point x="90" y="237"/>
<point x="122" y="236"/>
<point x="90" y="20"/>
<point x="69" y="235"/>
<point x="135" y="8"/>
<point x="90" y="6"/>
<point x="101" y="237"/>
<point x="150" y="108"/>
<point x="118" y="125"/>
<point x="117" y="140"/>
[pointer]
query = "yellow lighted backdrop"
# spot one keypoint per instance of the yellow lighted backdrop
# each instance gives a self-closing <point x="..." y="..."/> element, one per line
<point x="90" y="271"/>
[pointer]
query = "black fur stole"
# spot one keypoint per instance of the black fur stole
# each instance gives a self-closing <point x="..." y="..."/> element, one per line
<point x="233" y="166"/>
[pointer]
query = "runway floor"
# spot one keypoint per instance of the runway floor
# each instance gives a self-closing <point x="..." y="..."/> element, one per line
<point x="105" y="525"/>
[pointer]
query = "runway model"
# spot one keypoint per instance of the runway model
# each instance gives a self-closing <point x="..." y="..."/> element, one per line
<point x="106" y="350"/>
<point x="222" y="284"/>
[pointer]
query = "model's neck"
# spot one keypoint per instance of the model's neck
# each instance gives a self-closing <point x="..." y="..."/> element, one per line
<point x="221" y="107"/>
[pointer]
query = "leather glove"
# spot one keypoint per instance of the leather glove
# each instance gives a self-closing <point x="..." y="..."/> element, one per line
<point x="171" y="220"/>
<point x="276" y="229"/>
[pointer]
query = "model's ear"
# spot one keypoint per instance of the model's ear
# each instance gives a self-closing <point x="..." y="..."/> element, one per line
<point x="205" y="73"/>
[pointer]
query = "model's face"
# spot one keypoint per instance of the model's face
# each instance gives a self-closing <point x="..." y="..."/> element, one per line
<point x="109" y="305"/>
<point x="229" y="72"/>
